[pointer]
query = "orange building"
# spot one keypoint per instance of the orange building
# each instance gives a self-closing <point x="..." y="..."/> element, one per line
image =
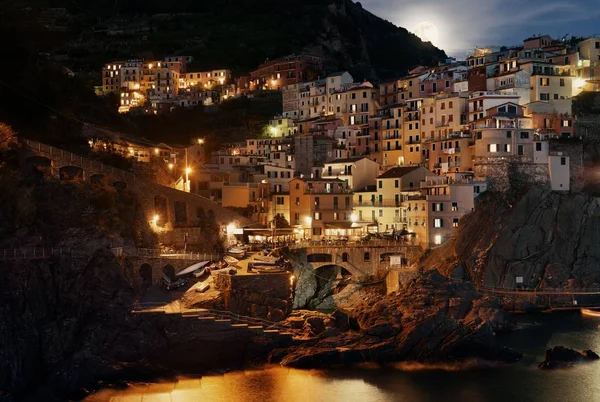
<point x="287" y="70"/>
<point x="317" y="205"/>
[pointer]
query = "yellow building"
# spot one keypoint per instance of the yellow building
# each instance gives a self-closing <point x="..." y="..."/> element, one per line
<point x="321" y="207"/>
<point x="412" y="135"/>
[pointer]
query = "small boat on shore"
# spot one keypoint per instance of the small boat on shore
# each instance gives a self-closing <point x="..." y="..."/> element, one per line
<point x="196" y="269"/>
<point x="232" y="261"/>
<point x="237" y="252"/>
<point x="268" y="269"/>
<point x="203" y="287"/>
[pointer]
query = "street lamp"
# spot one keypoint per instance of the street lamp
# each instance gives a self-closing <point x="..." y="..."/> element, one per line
<point x="353" y="218"/>
<point x="200" y="141"/>
<point x="188" y="170"/>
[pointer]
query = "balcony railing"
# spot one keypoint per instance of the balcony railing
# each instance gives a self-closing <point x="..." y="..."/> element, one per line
<point x="330" y="191"/>
<point x="454" y="150"/>
<point x="377" y="204"/>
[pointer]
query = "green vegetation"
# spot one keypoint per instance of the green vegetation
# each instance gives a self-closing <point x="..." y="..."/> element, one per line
<point x="44" y="101"/>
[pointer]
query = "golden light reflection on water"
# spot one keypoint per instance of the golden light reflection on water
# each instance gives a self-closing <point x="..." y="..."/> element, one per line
<point x="261" y="385"/>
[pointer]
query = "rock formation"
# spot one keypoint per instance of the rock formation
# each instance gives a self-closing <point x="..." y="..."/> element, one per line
<point x="561" y="357"/>
<point x="546" y="238"/>
<point x="430" y="320"/>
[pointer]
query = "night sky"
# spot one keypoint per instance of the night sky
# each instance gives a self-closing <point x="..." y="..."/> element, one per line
<point x="464" y="24"/>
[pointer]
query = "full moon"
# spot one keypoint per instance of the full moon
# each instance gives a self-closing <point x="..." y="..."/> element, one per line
<point x="427" y="31"/>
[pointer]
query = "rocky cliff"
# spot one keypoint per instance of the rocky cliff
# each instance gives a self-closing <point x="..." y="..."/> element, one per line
<point x="66" y="326"/>
<point x="237" y="34"/>
<point x="549" y="239"/>
<point x="429" y="320"/>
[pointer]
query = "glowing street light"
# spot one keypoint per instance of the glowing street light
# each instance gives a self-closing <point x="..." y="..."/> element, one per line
<point x="155" y="219"/>
<point x="354" y="218"/>
<point x="156" y="151"/>
<point x="171" y="166"/>
<point x="200" y="141"/>
<point x="273" y="130"/>
<point x="188" y="170"/>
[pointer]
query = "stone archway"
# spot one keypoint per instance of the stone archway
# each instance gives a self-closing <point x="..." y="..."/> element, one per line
<point x="145" y="273"/>
<point x="98" y="179"/>
<point x="71" y="173"/>
<point x="39" y="165"/>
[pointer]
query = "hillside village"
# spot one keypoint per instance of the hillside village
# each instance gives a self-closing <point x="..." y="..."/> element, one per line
<point x="348" y="159"/>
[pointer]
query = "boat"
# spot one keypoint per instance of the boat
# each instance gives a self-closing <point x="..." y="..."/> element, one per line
<point x="268" y="269"/>
<point x="237" y="252"/>
<point x="203" y="287"/>
<point x="232" y="261"/>
<point x="265" y="258"/>
<point x="192" y="269"/>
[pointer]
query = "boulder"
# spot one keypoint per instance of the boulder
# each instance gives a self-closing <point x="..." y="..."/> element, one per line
<point x="275" y="314"/>
<point x="316" y="324"/>
<point x="560" y="357"/>
<point x="342" y="321"/>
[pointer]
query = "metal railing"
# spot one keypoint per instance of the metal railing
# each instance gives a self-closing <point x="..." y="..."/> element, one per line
<point x="157" y="253"/>
<point x="32" y="253"/>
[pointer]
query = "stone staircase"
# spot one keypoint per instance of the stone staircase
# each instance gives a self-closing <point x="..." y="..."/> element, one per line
<point x="209" y="322"/>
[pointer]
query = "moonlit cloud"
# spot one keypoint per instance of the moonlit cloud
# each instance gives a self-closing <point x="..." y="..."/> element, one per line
<point x="465" y="24"/>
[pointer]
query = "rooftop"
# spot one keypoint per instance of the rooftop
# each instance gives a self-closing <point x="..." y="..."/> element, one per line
<point x="321" y="180"/>
<point x="346" y="160"/>
<point x="399" y="171"/>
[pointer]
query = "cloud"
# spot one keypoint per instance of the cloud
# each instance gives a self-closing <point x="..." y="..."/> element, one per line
<point x="464" y="24"/>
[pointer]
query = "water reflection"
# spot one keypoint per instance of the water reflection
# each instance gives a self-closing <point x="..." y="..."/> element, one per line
<point x="405" y="383"/>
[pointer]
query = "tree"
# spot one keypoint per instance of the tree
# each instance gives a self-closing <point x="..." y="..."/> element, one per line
<point x="7" y="137"/>
<point x="280" y="222"/>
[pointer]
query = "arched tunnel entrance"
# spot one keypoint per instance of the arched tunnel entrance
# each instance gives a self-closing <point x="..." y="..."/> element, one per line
<point x="71" y="173"/>
<point x="98" y="179"/>
<point x="39" y="166"/>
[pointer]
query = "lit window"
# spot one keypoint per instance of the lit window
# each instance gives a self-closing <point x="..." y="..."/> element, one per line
<point x="438" y="223"/>
<point x="437" y="239"/>
<point x="455" y="222"/>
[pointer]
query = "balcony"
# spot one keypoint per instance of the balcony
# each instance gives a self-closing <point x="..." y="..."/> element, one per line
<point x="377" y="204"/>
<point x="451" y="151"/>
<point x="328" y="191"/>
<point x="413" y="142"/>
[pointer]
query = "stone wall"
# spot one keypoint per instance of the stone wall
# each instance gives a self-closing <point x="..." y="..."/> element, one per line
<point x="503" y="174"/>
<point x="506" y="173"/>
<point x="268" y="296"/>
